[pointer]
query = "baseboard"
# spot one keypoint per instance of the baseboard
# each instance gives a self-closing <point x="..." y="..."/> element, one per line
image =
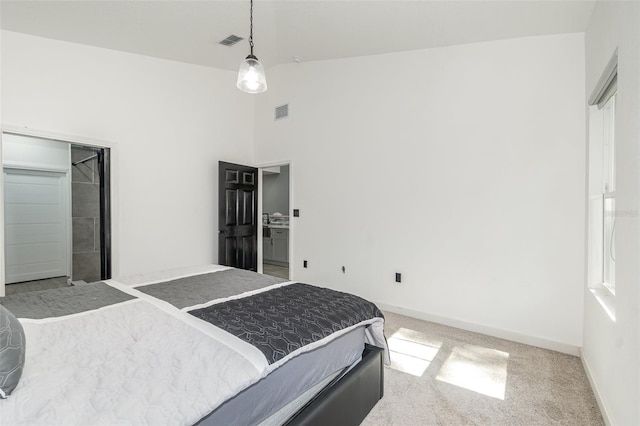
<point x="604" y="411"/>
<point x="490" y="331"/>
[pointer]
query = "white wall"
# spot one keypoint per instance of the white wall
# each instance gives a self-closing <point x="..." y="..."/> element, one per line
<point x="2" y="293"/>
<point x="169" y="124"/>
<point x="460" y="167"/>
<point x="275" y="191"/>
<point x="611" y="349"/>
<point x="35" y="153"/>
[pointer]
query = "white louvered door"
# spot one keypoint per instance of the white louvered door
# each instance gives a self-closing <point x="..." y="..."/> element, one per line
<point x="35" y="225"/>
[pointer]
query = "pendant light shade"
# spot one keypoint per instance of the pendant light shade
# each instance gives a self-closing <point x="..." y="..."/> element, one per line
<point x="251" y="77"/>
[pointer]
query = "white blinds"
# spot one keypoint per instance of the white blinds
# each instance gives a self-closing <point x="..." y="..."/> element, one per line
<point x="607" y="84"/>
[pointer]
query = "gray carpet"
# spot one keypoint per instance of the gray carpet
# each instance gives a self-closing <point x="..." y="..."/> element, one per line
<point x="455" y="377"/>
<point x="37" y="285"/>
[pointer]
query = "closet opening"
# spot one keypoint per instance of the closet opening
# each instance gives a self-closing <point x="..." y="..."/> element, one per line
<point x="57" y="222"/>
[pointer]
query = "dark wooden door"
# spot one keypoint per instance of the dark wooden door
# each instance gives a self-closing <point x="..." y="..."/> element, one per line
<point x="104" y="172"/>
<point x="237" y="216"/>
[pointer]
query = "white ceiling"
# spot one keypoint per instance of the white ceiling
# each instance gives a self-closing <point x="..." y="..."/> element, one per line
<point x="189" y="31"/>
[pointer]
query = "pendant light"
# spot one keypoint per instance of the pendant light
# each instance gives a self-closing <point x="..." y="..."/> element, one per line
<point x="251" y="77"/>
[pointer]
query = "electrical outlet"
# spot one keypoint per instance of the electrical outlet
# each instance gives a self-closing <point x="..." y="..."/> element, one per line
<point x="398" y="277"/>
<point x="304" y="263"/>
<point x="296" y="213"/>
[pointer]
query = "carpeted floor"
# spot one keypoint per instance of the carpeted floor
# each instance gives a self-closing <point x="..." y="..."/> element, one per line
<point x="446" y="376"/>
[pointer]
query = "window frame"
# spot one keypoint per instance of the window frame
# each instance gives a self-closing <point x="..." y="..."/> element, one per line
<point x="609" y="191"/>
<point x="601" y="189"/>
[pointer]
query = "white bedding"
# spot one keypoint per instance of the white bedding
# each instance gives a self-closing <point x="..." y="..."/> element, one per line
<point x="130" y="363"/>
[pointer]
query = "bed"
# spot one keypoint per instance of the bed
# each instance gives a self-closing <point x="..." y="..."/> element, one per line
<point x="211" y="345"/>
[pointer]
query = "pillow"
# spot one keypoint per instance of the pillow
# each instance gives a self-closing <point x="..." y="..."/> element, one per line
<point x="12" y="350"/>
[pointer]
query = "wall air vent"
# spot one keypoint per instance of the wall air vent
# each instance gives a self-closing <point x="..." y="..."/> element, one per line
<point x="282" y="111"/>
<point x="231" y="40"/>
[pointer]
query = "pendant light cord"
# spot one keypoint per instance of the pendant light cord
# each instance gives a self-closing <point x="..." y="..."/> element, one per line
<point x="251" y="27"/>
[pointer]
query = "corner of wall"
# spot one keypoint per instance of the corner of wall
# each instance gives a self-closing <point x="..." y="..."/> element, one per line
<point x="604" y="410"/>
<point x="2" y="293"/>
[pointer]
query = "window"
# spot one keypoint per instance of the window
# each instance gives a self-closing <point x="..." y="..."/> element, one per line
<point x="601" y="272"/>
<point x="609" y="196"/>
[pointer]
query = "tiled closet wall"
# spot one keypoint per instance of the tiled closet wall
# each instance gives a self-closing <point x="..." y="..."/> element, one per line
<point x="85" y="202"/>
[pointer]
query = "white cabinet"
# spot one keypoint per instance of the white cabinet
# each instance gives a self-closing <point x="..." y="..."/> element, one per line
<point x="267" y="249"/>
<point x="280" y="239"/>
<point x="275" y="249"/>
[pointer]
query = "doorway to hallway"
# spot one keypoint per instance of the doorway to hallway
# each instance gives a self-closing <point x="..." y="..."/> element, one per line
<point x="275" y="221"/>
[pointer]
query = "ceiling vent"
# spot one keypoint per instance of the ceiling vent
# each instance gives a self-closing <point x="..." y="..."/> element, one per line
<point x="282" y="111"/>
<point x="231" y="40"/>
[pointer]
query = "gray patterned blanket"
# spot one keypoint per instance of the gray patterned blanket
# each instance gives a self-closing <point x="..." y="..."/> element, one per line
<point x="282" y="320"/>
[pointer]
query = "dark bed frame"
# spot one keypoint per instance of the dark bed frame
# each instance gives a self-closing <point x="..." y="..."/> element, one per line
<point x="346" y="401"/>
